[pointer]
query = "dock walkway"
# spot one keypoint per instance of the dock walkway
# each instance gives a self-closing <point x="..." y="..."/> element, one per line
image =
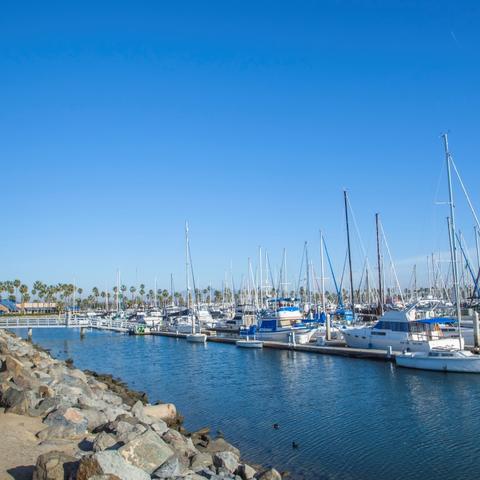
<point x="332" y="348"/>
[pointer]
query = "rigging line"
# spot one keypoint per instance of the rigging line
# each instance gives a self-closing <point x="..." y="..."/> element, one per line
<point x="339" y="294"/>
<point x="357" y="230"/>
<point x="465" y="192"/>
<point x="466" y="260"/>
<point x="391" y="263"/>
<point x="301" y="270"/>
<point x="343" y="271"/>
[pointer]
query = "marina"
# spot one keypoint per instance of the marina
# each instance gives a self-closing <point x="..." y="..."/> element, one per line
<point x="334" y="407"/>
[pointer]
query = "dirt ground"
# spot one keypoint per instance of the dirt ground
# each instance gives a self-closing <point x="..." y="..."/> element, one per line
<point x="19" y="447"/>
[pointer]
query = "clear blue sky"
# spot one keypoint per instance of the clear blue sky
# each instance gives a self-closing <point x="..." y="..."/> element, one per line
<point x="119" y="120"/>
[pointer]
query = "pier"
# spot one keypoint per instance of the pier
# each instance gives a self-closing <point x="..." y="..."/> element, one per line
<point x="332" y="348"/>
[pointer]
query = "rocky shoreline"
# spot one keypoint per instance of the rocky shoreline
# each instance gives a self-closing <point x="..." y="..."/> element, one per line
<point x="111" y="432"/>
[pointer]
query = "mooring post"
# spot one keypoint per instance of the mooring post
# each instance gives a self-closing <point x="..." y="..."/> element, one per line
<point x="30" y="334"/>
<point x="328" y="333"/>
<point x="476" y="331"/>
<point x="82" y="332"/>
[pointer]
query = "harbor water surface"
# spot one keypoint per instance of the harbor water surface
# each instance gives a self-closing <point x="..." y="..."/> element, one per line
<point x="351" y="418"/>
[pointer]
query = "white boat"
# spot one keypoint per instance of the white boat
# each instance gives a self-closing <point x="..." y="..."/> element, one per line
<point x="196" y="337"/>
<point x="402" y="331"/>
<point x="249" y="343"/>
<point x="460" y="361"/>
<point x="274" y="327"/>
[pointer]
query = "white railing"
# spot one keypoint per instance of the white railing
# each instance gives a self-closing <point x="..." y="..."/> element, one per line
<point x="73" y="322"/>
<point x="19" y="322"/>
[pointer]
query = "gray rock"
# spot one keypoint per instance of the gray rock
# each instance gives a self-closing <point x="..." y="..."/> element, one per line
<point x="44" y="407"/>
<point x="148" y="452"/>
<point x="138" y="412"/>
<point x="226" y="460"/>
<point x="104" y="441"/>
<point x="208" y="473"/>
<point x="221" y="445"/>
<point x="270" y="474"/>
<point x="200" y="461"/>
<point x="109" y="462"/>
<point x="159" y="427"/>
<point x="113" y="413"/>
<point x="173" y="467"/>
<point x="78" y="374"/>
<point x="95" y="418"/>
<point x="246" y="472"/>
<point x="179" y="443"/>
<point x="16" y="400"/>
<point x="111" y="398"/>
<point x="135" y="432"/>
<point x="64" y="423"/>
<point x="54" y="466"/>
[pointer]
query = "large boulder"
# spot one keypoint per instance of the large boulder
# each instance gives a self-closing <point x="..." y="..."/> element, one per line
<point x="138" y="411"/>
<point x="148" y="452"/>
<point x="221" y="445"/>
<point x="95" y="418"/>
<point x="226" y="460"/>
<point x="159" y="426"/>
<point x="128" y="434"/>
<point x="246" y="472"/>
<point x="16" y="400"/>
<point x="173" y="467"/>
<point x="14" y="366"/>
<point x="104" y="441"/>
<point x="164" y="411"/>
<point x="65" y="423"/>
<point x="200" y="461"/>
<point x="54" y="466"/>
<point x="270" y="474"/>
<point x="44" y="407"/>
<point x="182" y="445"/>
<point x="109" y="462"/>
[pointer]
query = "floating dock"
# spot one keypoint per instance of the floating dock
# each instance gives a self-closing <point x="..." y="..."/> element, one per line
<point x="331" y="348"/>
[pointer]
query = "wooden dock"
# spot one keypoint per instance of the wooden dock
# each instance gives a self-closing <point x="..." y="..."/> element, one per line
<point x="332" y="348"/>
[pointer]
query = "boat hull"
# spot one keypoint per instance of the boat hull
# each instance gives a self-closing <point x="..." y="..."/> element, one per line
<point x="440" y="364"/>
<point x="196" y="338"/>
<point x="399" y="341"/>
<point x="301" y="336"/>
<point x="249" y="344"/>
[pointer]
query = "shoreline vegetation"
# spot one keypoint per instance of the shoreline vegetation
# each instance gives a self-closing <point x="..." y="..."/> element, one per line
<point x="65" y="423"/>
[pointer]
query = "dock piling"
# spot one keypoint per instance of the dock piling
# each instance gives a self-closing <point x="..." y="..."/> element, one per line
<point x="476" y="331"/>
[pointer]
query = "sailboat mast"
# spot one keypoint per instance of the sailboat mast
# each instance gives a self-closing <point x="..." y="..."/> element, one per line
<point x="322" y="267"/>
<point x="477" y="246"/>
<point x="155" y="293"/>
<point x="187" y="276"/>
<point x="352" y="293"/>
<point x="261" y="276"/>
<point x="379" y="266"/>
<point x="452" y="233"/>
<point x="118" y="290"/>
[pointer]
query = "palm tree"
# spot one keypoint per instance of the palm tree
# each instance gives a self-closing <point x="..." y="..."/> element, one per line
<point x="132" y="291"/>
<point x="142" y="291"/>
<point x="23" y="293"/>
<point x="16" y="284"/>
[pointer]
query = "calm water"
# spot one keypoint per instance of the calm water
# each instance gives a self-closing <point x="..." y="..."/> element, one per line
<point x="353" y="419"/>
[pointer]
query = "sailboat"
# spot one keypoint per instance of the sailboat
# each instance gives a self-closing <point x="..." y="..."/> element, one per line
<point x="453" y="359"/>
<point x="194" y="336"/>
